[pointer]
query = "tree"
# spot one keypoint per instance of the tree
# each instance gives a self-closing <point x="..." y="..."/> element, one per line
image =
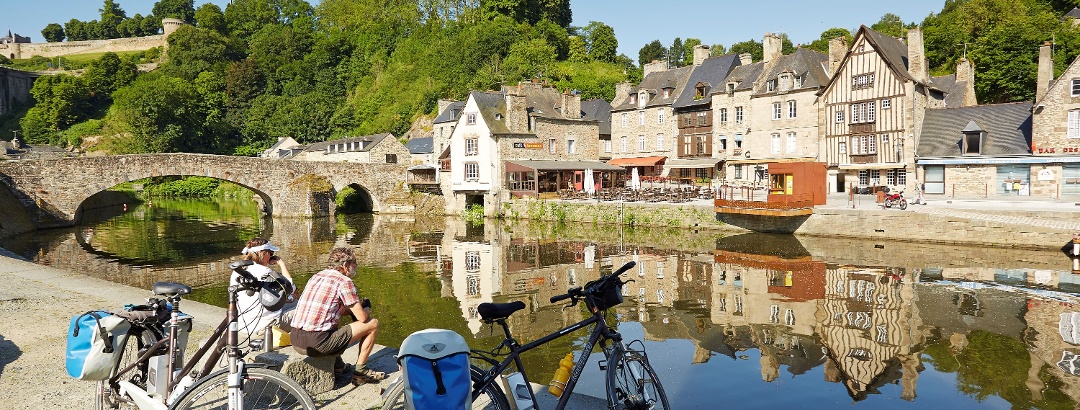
<point x="890" y="25"/>
<point x="243" y="83"/>
<point x="675" y="53"/>
<point x="752" y="47"/>
<point x="177" y="9"/>
<point x="53" y="33"/>
<point x="161" y="114"/>
<point x="193" y="50"/>
<point x="688" y="50"/>
<point x="602" y="42"/>
<point x="822" y="43"/>
<point x="76" y="30"/>
<point x="210" y="17"/>
<point x="652" y="51"/>
<point x="131" y="27"/>
<point x="111" y="17"/>
<point x="61" y="100"/>
<point x="717" y="50"/>
<point x="245" y="17"/>
<point x="577" y="52"/>
<point x="529" y="59"/>
<point x="107" y="74"/>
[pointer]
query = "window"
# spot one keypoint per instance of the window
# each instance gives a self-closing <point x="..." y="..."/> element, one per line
<point x="871" y="144"/>
<point x="875" y="177"/>
<point x="886" y="104"/>
<point x="570" y="148"/>
<point x="625" y="146"/>
<point x="686" y="119"/>
<point x="472" y="286"/>
<point x="776" y="143"/>
<point x="688" y="144"/>
<point x="699" y="92"/>
<point x="551" y="146"/>
<point x="791" y="109"/>
<point x="738" y="171"/>
<point x="472" y="146"/>
<point x="723" y="115"/>
<point x="667" y="92"/>
<point x="861" y="81"/>
<point x="659" y="142"/>
<point x="641" y="117"/>
<point x="701" y="118"/>
<point x="840" y="116"/>
<point x="862" y="112"/>
<point x="701" y="142"/>
<point x="896" y="177"/>
<point x="972" y="143"/>
<point x="855" y="113"/>
<point x="1076" y="87"/>
<point x="641" y="143"/>
<point x="842" y="147"/>
<point x="776" y="111"/>
<point x="633" y="99"/>
<point x="870" y="108"/>
<point x="1074" y="124"/>
<point x="864" y="145"/>
<point x="470" y="118"/>
<point x="472" y="171"/>
<point x="770" y="86"/>
<point x="391" y="158"/>
<point x="607" y="145"/>
<point x="864" y="178"/>
<point x="624" y="119"/>
<point x="660" y="115"/>
<point x="738" y="115"/>
<point x="723" y="144"/>
<point x="791" y="143"/>
<point x="472" y="261"/>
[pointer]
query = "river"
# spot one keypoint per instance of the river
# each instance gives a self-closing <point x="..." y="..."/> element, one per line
<point x="752" y="320"/>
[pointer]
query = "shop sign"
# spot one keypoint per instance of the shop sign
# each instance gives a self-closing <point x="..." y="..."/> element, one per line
<point x="529" y="145"/>
<point x="1046" y="175"/>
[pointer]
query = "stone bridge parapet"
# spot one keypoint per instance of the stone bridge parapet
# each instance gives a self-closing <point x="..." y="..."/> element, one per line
<point x="53" y="190"/>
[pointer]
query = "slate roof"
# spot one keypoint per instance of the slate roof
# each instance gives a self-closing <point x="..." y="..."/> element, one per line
<point x="422" y="145"/>
<point x="654" y="83"/>
<point x="451" y="113"/>
<point x="712" y="73"/>
<point x="743" y="76"/>
<point x="543" y="103"/>
<point x="1007" y="126"/>
<point x="954" y="90"/>
<point x="1074" y="13"/>
<point x="894" y="51"/>
<point x="489" y="104"/>
<point x="809" y="65"/>
<point x="598" y="110"/>
<point x="367" y="142"/>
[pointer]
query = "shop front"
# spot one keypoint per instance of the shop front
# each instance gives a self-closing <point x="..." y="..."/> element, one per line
<point x="542" y="179"/>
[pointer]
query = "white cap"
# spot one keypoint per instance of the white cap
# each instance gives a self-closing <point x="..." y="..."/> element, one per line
<point x="264" y="247"/>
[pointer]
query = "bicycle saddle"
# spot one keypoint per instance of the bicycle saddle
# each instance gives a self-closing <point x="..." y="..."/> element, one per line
<point x="494" y="311"/>
<point x="171" y="289"/>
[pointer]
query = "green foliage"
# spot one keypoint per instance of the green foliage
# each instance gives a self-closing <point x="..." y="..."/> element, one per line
<point x="108" y="73"/>
<point x="473" y="214"/>
<point x="529" y="59"/>
<point x="688" y="51"/>
<point x="594" y="79"/>
<point x="111" y="16"/>
<point x="753" y="47"/>
<point x="603" y="44"/>
<point x="53" y="33"/>
<point x="890" y="25"/>
<point x="349" y="201"/>
<point x="650" y="52"/>
<point x="73" y="137"/>
<point x="177" y="9"/>
<point x="193" y="50"/>
<point x="157" y="114"/>
<point x="577" y="52"/>
<point x="717" y="50"/>
<point x="188" y="187"/>
<point x="675" y="53"/>
<point x="822" y="43"/>
<point x="210" y="17"/>
<point x="60" y="101"/>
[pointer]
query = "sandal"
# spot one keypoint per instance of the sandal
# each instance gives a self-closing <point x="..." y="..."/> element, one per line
<point x="366" y="375"/>
<point x="340" y="368"/>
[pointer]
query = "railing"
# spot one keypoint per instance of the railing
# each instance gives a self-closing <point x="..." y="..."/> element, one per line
<point x="412" y="178"/>
<point x="521" y="185"/>
<point x="742" y="197"/>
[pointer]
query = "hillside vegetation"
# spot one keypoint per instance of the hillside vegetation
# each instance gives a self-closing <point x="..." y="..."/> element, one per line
<point x="237" y="79"/>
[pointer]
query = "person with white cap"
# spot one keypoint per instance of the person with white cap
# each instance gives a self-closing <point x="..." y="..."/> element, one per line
<point x="253" y="317"/>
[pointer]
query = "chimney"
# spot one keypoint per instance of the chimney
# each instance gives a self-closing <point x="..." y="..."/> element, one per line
<point x="966" y="73"/>
<point x="771" y="47"/>
<point x="701" y="52"/>
<point x="622" y="90"/>
<point x="917" y="56"/>
<point x="838" y="48"/>
<point x="746" y="59"/>
<point x="1046" y="70"/>
<point x="571" y="105"/>
<point x="654" y="66"/>
<point x="517" y="114"/>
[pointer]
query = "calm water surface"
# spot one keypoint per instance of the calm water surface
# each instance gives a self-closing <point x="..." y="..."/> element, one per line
<point x="737" y="321"/>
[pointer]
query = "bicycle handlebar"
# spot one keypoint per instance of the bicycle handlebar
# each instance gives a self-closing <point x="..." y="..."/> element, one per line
<point x="578" y="291"/>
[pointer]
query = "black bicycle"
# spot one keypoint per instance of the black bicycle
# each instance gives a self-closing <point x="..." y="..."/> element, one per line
<point x="152" y="373"/>
<point x="632" y="383"/>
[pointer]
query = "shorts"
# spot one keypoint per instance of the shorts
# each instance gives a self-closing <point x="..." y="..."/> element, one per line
<point x="324" y="343"/>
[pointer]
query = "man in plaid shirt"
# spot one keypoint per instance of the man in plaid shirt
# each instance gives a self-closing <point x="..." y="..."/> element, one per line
<point x="328" y="295"/>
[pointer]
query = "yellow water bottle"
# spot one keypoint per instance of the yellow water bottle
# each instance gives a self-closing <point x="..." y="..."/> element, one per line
<point x="558" y="383"/>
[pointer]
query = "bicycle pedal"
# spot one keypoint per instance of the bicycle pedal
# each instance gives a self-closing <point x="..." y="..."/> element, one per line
<point x="256" y="344"/>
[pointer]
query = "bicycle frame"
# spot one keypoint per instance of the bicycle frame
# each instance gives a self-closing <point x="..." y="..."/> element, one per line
<point x="601" y="333"/>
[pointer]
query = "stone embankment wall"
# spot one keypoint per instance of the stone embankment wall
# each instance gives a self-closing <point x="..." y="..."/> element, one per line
<point x="118" y="45"/>
<point x="868" y="225"/>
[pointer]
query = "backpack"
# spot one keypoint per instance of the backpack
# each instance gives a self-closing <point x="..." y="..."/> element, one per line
<point x="435" y="364"/>
<point x="95" y="341"/>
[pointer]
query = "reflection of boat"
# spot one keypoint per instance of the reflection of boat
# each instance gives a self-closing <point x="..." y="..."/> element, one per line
<point x="793" y="191"/>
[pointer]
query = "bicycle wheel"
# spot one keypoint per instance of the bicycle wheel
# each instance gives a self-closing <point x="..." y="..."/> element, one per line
<point x="632" y="384"/>
<point x="105" y="396"/>
<point x="263" y="389"/>
<point x="491" y="399"/>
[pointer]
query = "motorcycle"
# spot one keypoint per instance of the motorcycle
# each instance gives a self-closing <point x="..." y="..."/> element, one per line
<point x="896" y="199"/>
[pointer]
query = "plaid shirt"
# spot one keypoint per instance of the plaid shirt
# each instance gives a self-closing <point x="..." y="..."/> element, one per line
<point x="325" y="298"/>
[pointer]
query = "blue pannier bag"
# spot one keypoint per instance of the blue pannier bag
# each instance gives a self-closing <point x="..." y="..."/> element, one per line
<point x="435" y="365"/>
<point x="95" y="341"/>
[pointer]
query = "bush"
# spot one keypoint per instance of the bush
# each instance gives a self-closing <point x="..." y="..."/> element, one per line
<point x="473" y="214"/>
<point x="189" y="187"/>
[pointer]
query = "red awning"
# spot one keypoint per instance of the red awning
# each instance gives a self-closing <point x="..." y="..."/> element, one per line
<point x="637" y="162"/>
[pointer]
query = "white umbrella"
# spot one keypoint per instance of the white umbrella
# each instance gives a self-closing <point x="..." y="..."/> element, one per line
<point x="590" y="186"/>
<point x="635" y="181"/>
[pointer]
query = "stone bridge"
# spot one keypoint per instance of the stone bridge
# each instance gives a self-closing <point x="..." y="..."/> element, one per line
<point x="53" y="191"/>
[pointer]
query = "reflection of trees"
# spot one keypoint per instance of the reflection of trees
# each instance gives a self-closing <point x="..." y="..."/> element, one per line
<point x="995" y="365"/>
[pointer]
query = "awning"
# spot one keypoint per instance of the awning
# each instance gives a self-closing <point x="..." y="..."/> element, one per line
<point x="874" y="165"/>
<point x="738" y="137"/>
<point x="692" y="163"/>
<point x="637" y="162"/>
<point x="544" y="165"/>
<point x="999" y="160"/>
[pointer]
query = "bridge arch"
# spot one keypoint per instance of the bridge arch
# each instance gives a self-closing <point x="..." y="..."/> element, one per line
<point x="102" y="199"/>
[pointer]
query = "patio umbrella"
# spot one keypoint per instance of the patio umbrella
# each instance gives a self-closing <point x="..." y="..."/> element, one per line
<point x="590" y="186"/>
<point x="635" y="180"/>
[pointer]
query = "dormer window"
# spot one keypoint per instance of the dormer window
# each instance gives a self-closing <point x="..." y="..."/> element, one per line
<point x="770" y="86"/>
<point x="633" y="98"/>
<point x="786" y="82"/>
<point x="641" y="98"/>
<point x="498" y="116"/>
<point x="731" y="88"/>
<point x="699" y="91"/>
<point x="667" y="93"/>
<point x="973" y="139"/>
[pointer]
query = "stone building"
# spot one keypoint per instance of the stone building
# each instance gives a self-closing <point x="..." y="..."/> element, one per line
<point x="285" y="147"/>
<point x="600" y="110"/>
<point x="14" y="38"/>
<point x="443" y="125"/>
<point x="369" y="149"/>
<point x="695" y="156"/>
<point x="526" y="140"/>
<point x="1055" y="130"/>
<point x="643" y="132"/>
<point x="731" y="115"/>
<point x="978" y="151"/>
<point x="872" y="108"/>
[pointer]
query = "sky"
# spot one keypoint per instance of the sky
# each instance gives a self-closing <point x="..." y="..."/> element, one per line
<point x="636" y="22"/>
